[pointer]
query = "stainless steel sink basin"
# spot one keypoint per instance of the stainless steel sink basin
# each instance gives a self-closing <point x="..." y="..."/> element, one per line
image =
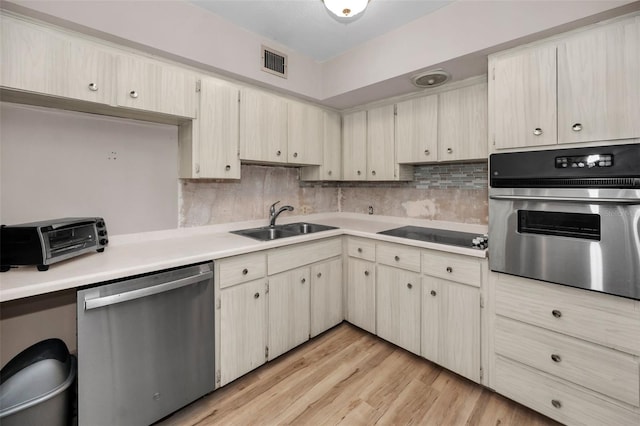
<point x="266" y="233"/>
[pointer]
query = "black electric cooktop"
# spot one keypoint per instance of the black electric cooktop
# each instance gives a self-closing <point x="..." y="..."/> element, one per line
<point x="439" y="236"/>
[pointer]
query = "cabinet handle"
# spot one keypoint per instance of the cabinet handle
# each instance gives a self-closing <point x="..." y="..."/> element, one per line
<point x="197" y="168"/>
<point x="227" y="167"/>
<point x="433" y="292"/>
<point x="93" y="87"/>
<point x="245" y="271"/>
<point x="304" y="280"/>
<point x="576" y="127"/>
<point x="319" y="275"/>
<point x="366" y="273"/>
<point x="397" y="258"/>
<point x="427" y="152"/>
<point x="278" y="153"/>
<point x="329" y="172"/>
<point x="295" y="155"/>
<point x="359" y="173"/>
<point x="449" y="150"/>
<point x="133" y="94"/>
<point x="359" y="250"/>
<point x="556" y="358"/>
<point x="449" y="269"/>
<point x="373" y="172"/>
<point x="556" y="313"/>
<point x="409" y="286"/>
<point x="556" y="403"/>
<point x="255" y="296"/>
<point x="537" y="131"/>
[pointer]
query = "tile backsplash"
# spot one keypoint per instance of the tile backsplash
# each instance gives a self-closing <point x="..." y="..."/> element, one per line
<point x="449" y="192"/>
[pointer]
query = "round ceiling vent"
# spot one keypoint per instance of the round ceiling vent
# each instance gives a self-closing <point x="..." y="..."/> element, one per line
<point x="431" y="78"/>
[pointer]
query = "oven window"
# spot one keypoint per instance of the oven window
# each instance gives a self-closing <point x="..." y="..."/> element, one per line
<point x="574" y="225"/>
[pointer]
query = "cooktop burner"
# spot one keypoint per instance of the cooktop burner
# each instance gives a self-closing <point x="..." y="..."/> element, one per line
<point x="439" y="236"/>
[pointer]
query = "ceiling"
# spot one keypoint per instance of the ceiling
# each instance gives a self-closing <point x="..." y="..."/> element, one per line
<point x="307" y="27"/>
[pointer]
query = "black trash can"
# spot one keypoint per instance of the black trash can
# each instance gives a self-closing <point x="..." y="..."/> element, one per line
<point x="36" y="386"/>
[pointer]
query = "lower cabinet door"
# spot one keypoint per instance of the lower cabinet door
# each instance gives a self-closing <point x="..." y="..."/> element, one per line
<point x="289" y="298"/>
<point x="451" y="326"/>
<point x="326" y="295"/>
<point x="398" y="307"/>
<point x="243" y="329"/>
<point x="361" y="294"/>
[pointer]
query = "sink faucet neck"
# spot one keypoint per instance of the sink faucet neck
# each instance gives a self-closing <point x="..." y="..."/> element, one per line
<point x="273" y="214"/>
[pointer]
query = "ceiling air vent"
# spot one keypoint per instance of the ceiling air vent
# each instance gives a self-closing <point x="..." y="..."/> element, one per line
<point x="274" y="62"/>
<point x="430" y="78"/>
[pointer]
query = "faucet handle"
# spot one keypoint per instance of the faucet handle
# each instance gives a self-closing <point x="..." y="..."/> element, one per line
<point x="272" y="209"/>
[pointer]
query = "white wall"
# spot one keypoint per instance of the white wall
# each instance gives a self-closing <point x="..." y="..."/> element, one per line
<point x="56" y="163"/>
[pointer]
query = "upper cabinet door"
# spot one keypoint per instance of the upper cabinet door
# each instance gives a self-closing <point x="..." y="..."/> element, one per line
<point x="462" y="118"/>
<point x="90" y="72"/>
<point x="305" y="125"/>
<point x="263" y="127"/>
<point x="153" y="86"/>
<point x="599" y="84"/>
<point x="523" y="102"/>
<point x="354" y="145"/>
<point x="331" y="168"/>
<point x="381" y="143"/>
<point x="417" y="130"/>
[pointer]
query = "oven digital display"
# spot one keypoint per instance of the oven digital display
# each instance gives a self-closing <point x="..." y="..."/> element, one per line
<point x="585" y="161"/>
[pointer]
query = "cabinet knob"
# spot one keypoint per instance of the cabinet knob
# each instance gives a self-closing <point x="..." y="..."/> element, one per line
<point x="197" y="168"/>
<point x="295" y="155"/>
<point x="278" y="153"/>
<point x="303" y="280"/>
<point x="366" y="273"/>
<point x="397" y="258"/>
<point x="373" y="172"/>
<point x="359" y="249"/>
<point x="255" y="296"/>
<point x="133" y="94"/>
<point x="556" y="403"/>
<point x="556" y="313"/>
<point x="537" y="131"/>
<point x="409" y="286"/>
<point x="449" y="150"/>
<point x="576" y="127"/>
<point x="556" y="358"/>
<point x="245" y="271"/>
<point x="427" y="152"/>
<point x="319" y="275"/>
<point x="227" y="167"/>
<point x="433" y="292"/>
<point x="449" y="269"/>
<point x="329" y="172"/>
<point x="359" y="173"/>
<point x="93" y="87"/>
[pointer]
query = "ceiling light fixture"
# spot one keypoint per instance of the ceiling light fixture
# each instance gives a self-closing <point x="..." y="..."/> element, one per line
<point x="346" y="8"/>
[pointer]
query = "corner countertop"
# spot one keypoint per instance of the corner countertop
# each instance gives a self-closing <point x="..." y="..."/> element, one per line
<point x="135" y="254"/>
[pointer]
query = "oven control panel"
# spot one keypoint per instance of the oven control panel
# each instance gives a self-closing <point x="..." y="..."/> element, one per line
<point x="585" y="161"/>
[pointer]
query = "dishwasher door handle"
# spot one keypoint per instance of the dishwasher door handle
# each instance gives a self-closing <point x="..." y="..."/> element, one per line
<point x="100" y="302"/>
<point x="584" y="200"/>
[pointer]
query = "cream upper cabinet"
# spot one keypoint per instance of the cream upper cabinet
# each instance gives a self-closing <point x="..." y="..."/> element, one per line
<point x="462" y="123"/>
<point x="326" y="295"/>
<point x="42" y="60"/>
<point x="263" y="127"/>
<point x="599" y="84"/>
<point x="289" y="298"/>
<point x="417" y="130"/>
<point x="209" y="144"/>
<point x="354" y="145"/>
<point x="381" y="143"/>
<point x="522" y="89"/>
<point x="398" y="307"/>
<point x="331" y="167"/>
<point x="149" y="85"/>
<point x="305" y="133"/>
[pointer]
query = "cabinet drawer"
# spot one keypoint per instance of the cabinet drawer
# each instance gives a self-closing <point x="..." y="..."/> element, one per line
<point x="556" y="398"/>
<point x="452" y="267"/>
<point x="398" y="256"/>
<point x="283" y="259"/>
<point x="608" y="320"/>
<point x="362" y="249"/>
<point x="240" y="269"/>
<point x="601" y="369"/>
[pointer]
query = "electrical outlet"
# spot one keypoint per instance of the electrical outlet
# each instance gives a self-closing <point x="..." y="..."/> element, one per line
<point x="305" y="209"/>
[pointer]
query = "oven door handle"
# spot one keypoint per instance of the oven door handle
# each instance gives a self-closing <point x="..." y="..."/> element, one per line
<point x="567" y="199"/>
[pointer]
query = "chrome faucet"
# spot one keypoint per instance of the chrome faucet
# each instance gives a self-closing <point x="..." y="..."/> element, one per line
<point x="273" y="215"/>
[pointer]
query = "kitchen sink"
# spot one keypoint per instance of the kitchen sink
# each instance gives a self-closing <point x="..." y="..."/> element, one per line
<point x="267" y="233"/>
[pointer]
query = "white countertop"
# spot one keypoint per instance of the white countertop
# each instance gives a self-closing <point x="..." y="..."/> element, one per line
<point x="135" y="254"/>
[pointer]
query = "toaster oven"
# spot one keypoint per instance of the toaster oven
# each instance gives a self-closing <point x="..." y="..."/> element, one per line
<point x="46" y="242"/>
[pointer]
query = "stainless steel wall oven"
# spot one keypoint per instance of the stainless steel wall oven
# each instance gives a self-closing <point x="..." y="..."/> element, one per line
<point x="569" y="216"/>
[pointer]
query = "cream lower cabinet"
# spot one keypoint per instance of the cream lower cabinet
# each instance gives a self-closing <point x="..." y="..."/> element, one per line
<point x="361" y="294"/>
<point x="326" y="295"/>
<point x="289" y="310"/>
<point x="571" y="354"/>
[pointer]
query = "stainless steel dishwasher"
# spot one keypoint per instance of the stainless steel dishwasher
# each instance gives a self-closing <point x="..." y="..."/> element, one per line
<point x="145" y="346"/>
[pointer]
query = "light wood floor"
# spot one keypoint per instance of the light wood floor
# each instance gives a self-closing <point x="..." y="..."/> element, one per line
<point x="350" y="377"/>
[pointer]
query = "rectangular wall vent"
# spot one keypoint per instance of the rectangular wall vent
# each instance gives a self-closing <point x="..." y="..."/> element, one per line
<point x="274" y="62"/>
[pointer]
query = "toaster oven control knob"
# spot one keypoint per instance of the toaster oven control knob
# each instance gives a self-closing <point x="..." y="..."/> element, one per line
<point x="104" y="241"/>
<point x="100" y="224"/>
<point x="102" y="233"/>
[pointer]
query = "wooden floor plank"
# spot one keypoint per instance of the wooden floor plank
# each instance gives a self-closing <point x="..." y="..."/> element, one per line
<point x="347" y="376"/>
